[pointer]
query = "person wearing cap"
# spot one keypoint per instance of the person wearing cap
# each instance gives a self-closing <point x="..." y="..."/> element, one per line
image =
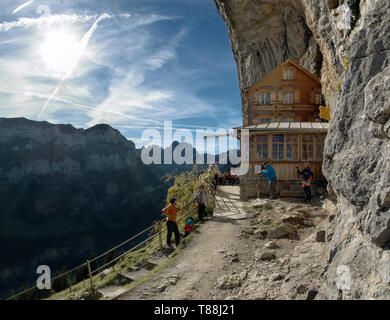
<point x="188" y="228"/>
<point x="306" y="181"/>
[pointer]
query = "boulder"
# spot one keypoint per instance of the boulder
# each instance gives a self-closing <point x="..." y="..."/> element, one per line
<point x="283" y="231"/>
<point x="321" y="236"/>
<point x="161" y="288"/>
<point x="301" y="289"/>
<point x="277" y="276"/>
<point x="271" y="245"/>
<point x="229" y="282"/>
<point x="261" y="234"/>
<point x="295" y="218"/>
<point x="75" y="297"/>
<point x="268" y="256"/>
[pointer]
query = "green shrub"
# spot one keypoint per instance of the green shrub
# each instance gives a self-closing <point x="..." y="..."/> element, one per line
<point x="346" y="62"/>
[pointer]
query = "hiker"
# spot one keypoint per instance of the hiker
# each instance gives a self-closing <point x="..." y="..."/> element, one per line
<point x="229" y="178"/>
<point x="171" y="213"/>
<point x="269" y="173"/>
<point x="306" y="181"/>
<point x="216" y="180"/>
<point x="188" y="228"/>
<point x="201" y="198"/>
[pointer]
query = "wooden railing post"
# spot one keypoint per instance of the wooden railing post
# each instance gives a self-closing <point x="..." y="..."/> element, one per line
<point x="160" y="236"/>
<point x="90" y="275"/>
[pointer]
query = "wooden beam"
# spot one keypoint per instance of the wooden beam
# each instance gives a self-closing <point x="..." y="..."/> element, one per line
<point x="221" y="136"/>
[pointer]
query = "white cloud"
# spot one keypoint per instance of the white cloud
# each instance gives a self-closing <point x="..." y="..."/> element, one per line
<point x="133" y="95"/>
<point x="157" y="60"/>
<point x="149" y="105"/>
<point x="45" y="21"/>
<point x="133" y="54"/>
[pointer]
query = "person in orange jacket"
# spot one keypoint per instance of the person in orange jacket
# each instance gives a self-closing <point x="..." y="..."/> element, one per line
<point x="171" y="213"/>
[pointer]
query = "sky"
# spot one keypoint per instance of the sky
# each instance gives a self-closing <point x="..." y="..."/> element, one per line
<point x="132" y="64"/>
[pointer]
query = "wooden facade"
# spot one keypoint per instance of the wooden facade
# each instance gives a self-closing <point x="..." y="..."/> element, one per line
<point x="284" y="124"/>
<point x="287" y="150"/>
<point x="288" y="94"/>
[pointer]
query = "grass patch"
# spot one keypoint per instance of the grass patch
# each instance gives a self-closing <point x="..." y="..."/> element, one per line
<point x="133" y="259"/>
<point x="262" y="207"/>
<point x="184" y="187"/>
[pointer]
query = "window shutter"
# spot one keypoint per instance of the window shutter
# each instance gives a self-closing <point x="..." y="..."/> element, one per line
<point x="280" y="96"/>
<point x="274" y="97"/>
<point x="297" y="96"/>
<point x="312" y="97"/>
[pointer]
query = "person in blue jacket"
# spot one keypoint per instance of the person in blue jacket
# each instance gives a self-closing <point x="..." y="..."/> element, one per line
<point x="306" y="181"/>
<point x="269" y="173"/>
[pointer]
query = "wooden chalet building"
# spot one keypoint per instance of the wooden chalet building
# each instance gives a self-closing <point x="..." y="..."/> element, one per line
<point x="283" y="119"/>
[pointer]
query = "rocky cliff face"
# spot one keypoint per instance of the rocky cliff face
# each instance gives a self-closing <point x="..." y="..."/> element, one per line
<point x="346" y="43"/>
<point x="65" y="192"/>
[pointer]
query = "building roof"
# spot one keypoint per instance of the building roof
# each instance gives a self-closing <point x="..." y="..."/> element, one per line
<point x="289" y="127"/>
<point x="284" y="64"/>
<point x="297" y="65"/>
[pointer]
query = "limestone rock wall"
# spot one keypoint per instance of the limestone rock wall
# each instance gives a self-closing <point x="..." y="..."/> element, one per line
<point x="346" y="43"/>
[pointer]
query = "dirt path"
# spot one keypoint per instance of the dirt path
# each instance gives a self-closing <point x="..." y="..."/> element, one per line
<point x="260" y="249"/>
<point x="194" y="272"/>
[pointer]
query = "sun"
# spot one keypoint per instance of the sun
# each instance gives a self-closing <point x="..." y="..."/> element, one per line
<point x="61" y="51"/>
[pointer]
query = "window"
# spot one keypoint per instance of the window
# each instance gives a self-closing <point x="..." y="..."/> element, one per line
<point x="265" y="120"/>
<point x="251" y="147"/>
<point x="320" y="142"/>
<point x="261" y="147"/>
<point x="319" y="99"/>
<point x="292" y="147"/>
<point x="288" y="97"/>
<point x="288" y="119"/>
<point x="251" y="150"/>
<point x="288" y="74"/>
<point x="265" y="98"/>
<point x="278" y="147"/>
<point x="308" y="147"/>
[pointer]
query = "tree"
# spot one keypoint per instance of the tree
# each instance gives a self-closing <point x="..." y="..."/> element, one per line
<point x="38" y="294"/>
<point x="27" y="295"/>
<point x="60" y="284"/>
<point x="82" y="274"/>
<point x="10" y="293"/>
<point x="70" y="280"/>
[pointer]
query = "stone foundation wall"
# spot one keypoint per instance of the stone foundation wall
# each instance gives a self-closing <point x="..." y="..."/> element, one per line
<point x="250" y="188"/>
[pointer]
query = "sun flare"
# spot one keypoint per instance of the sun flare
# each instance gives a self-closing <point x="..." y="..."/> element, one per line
<point x="61" y="51"/>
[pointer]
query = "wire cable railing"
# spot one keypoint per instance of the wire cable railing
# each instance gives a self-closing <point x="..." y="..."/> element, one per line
<point x="110" y="263"/>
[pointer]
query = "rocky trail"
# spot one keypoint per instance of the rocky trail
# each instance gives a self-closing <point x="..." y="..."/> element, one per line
<point x="262" y="249"/>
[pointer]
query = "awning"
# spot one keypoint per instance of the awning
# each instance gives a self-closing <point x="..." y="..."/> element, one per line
<point x="288" y="127"/>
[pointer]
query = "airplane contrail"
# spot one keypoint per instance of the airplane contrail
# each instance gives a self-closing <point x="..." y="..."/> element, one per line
<point x="22" y="6"/>
<point x="83" y="46"/>
<point x="79" y="106"/>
